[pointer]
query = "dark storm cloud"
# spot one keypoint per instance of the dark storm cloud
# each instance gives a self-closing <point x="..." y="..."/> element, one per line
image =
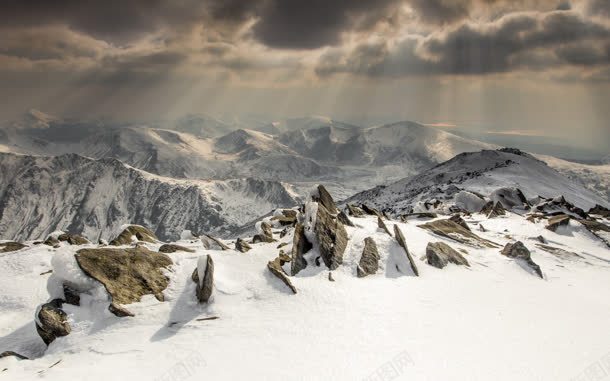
<point x="442" y="11"/>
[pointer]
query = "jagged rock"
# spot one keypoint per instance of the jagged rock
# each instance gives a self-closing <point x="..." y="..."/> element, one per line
<point x="330" y="276"/>
<point x="73" y="239"/>
<point x="492" y="210"/>
<point x="6" y="247"/>
<point x="172" y="248"/>
<point x="139" y="232"/>
<point x="600" y="211"/>
<point x="541" y="239"/>
<point x="12" y="354"/>
<point x="204" y="286"/>
<point x="369" y="261"/>
<point x="403" y="243"/>
<point x="371" y="211"/>
<point x="51" y="241"/>
<point x="598" y="229"/>
<point x="381" y="225"/>
<point x="331" y="237"/>
<point x="559" y="205"/>
<point x="276" y="269"/>
<point x="52" y="321"/>
<point x="558" y="252"/>
<point x="317" y="261"/>
<point x="420" y="215"/>
<point x="71" y="296"/>
<point x="439" y="254"/>
<point x="242" y="246"/>
<point x="300" y="246"/>
<point x="119" y="311"/>
<point x="324" y="198"/>
<point x="453" y="231"/>
<point x="288" y="217"/>
<point x="556" y="221"/>
<point x="265" y="235"/>
<point x="284" y="232"/>
<point x="482" y="228"/>
<point x="518" y="251"/>
<point x="459" y="220"/>
<point x="355" y="211"/>
<point x="213" y="243"/>
<point x="284" y="258"/>
<point x="127" y="274"/>
<point x="344" y="219"/>
<point x="510" y="198"/>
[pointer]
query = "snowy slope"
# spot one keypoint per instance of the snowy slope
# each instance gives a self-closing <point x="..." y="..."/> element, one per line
<point x="493" y="320"/>
<point x="95" y="197"/>
<point x="481" y="172"/>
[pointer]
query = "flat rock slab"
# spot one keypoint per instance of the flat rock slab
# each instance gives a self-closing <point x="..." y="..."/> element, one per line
<point x="557" y="221"/>
<point x="369" y="261"/>
<point x="73" y="239"/>
<point x="172" y="248"/>
<point x="7" y="247"/>
<point x="456" y="232"/>
<point x="439" y="254"/>
<point x="403" y="243"/>
<point x="275" y="267"/>
<point x="127" y="274"/>
<point x="381" y="225"/>
<point x="331" y="236"/>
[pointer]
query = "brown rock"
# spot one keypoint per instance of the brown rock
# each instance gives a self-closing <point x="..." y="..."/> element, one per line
<point x="326" y="200"/>
<point x="402" y="242"/>
<point x="139" y="232"/>
<point x="556" y="221"/>
<point x="518" y="251"/>
<point x="120" y="311"/>
<point x="266" y="234"/>
<point x="459" y="220"/>
<point x="276" y="269"/>
<point x="73" y="239"/>
<point x="381" y="225"/>
<point x="355" y="211"/>
<point x="331" y="237"/>
<point x="455" y="232"/>
<point x="344" y="219"/>
<point x="52" y="321"/>
<point x="242" y="246"/>
<point x="172" y="248"/>
<point x="6" y="247"/>
<point x="205" y="287"/>
<point x="369" y="261"/>
<point x="300" y="246"/>
<point x="439" y="254"/>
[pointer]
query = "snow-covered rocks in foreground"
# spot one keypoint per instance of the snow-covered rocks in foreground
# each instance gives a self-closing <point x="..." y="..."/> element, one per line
<point x="486" y="315"/>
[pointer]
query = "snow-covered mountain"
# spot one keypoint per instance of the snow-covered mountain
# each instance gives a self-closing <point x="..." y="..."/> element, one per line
<point x="39" y="195"/>
<point x="479" y="172"/>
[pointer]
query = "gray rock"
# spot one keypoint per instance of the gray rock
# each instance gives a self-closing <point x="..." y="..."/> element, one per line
<point x="518" y="251"/>
<point x="172" y="248"/>
<point x="556" y="221"/>
<point x="403" y="243"/>
<point x="369" y="261"/>
<point x="381" y="225"/>
<point x="71" y="296"/>
<point x="300" y="246"/>
<point x="213" y="243"/>
<point x="371" y="211"/>
<point x="276" y="269"/>
<point x="344" y="219"/>
<point x="326" y="200"/>
<point x="355" y="211"/>
<point x="205" y="287"/>
<point x="52" y="322"/>
<point x="242" y="246"/>
<point x="439" y="254"/>
<point x="331" y="236"/>
<point x="459" y="220"/>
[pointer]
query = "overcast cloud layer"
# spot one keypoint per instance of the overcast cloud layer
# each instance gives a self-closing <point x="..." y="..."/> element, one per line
<point x="388" y="57"/>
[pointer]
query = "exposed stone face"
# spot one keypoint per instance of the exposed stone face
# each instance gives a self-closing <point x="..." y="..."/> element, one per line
<point x="403" y="243"/>
<point x="172" y="248"/>
<point x="276" y="269"/>
<point x="518" y="251"/>
<point x="369" y="261"/>
<point x="332" y="238"/>
<point x="556" y="221"/>
<point x="600" y="211"/>
<point x="73" y="239"/>
<point x="213" y="243"/>
<point x="71" y="296"/>
<point x="459" y="220"/>
<point x="326" y="200"/>
<point x="371" y="211"/>
<point x="6" y="247"/>
<point x="204" y="287"/>
<point x="439" y="254"/>
<point x="12" y="354"/>
<point x="127" y="274"/>
<point x="242" y="246"/>
<point x="496" y="211"/>
<point x="52" y="322"/>
<point x="139" y="232"/>
<point x="119" y="311"/>
<point x="300" y="246"/>
<point x="381" y="225"/>
<point x="266" y="235"/>
<point x="355" y="211"/>
<point x="455" y="232"/>
<point x="51" y="241"/>
<point x="344" y="219"/>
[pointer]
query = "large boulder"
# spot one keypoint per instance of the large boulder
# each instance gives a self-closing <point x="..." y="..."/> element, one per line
<point x="439" y="254"/>
<point x="6" y="247"/>
<point x="456" y="232"/>
<point x="203" y="276"/>
<point x="325" y="199"/>
<point x="518" y="251"/>
<point x="300" y="246"/>
<point x="403" y="243"/>
<point x="127" y="274"/>
<point x="172" y="248"/>
<point x="331" y="237"/>
<point x="469" y="201"/>
<point x="242" y="246"/>
<point x="275" y="267"/>
<point x="52" y="321"/>
<point x="555" y="222"/>
<point x="134" y="233"/>
<point x="369" y="261"/>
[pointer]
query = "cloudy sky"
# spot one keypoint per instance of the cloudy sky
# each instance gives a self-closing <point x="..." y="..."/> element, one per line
<point x="515" y="67"/>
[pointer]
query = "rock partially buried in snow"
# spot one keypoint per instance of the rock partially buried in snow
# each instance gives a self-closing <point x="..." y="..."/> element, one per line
<point x="265" y="234"/>
<point x="460" y="221"/>
<point x="6" y="247"/>
<point x="127" y="274"/>
<point x="510" y="198"/>
<point x="600" y="211"/>
<point x="73" y="239"/>
<point x="119" y="311"/>
<point x="172" y="248"/>
<point x="518" y="251"/>
<point x="453" y="231"/>
<point x="13" y="354"/>
<point x="402" y="242"/>
<point x="203" y="276"/>
<point x="439" y="254"/>
<point x="371" y="211"/>
<point x="331" y="237"/>
<point x="134" y="233"/>
<point x="242" y="246"/>
<point x="300" y="246"/>
<point x="381" y="225"/>
<point x="492" y="210"/>
<point x="355" y="211"/>
<point x="325" y="199"/>
<point x="52" y="321"/>
<point x="275" y="267"/>
<point x="213" y="243"/>
<point x="344" y="219"/>
<point x="369" y="261"/>
<point x="557" y="221"/>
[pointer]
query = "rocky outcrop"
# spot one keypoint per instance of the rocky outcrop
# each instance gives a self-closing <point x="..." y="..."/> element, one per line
<point x="510" y="198"/>
<point x="325" y="199"/>
<point x="6" y="247"/>
<point x="381" y="225"/>
<point x="344" y="219"/>
<point x="455" y="232"/>
<point x="460" y="221"/>
<point x="439" y="254"/>
<point x="127" y="274"/>
<point x="369" y="261"/>
<point x="600" y="211"/>
<point x="371" y="211"/>
<point x="519" y="252"/>
<point x="204" y="287"/>
<point x="331" y="237"/>
<point x="172" y="248"/>
<point x="403" y="243"/>
<point x="52" y="321"/>
<point x="134" y="233"/>
<point x="275" y="267"/>
<point x="72" y="239"/>
<point x="287" y="218"/>
<point x="265" y="234"/>
<point x="355" y="211"/>
<point x="242" y="246"/>
<point x="557" y="221"/>
<point x="300" y="246"/>
<point x="559" y="205"/>
<point x="558" y="252"/>
<point x="213" y="243"/>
